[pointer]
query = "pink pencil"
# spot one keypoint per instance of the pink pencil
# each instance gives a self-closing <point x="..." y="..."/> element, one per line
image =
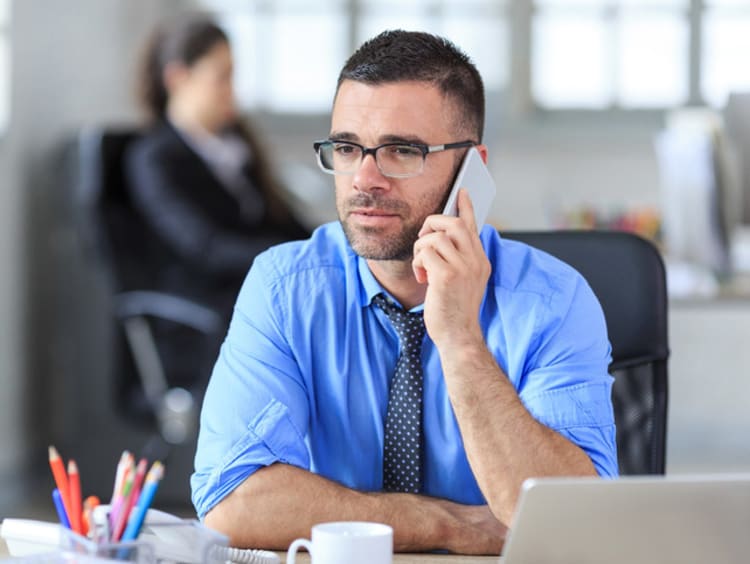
<point x="118" y="499"/>
<point x="129" y="499"/>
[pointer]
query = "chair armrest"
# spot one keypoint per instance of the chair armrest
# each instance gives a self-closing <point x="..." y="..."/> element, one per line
<point x="175" y="408"/>
<point x="143" y="303"/>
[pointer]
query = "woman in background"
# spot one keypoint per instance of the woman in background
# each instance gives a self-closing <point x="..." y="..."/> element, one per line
<point x="201" y="181"/>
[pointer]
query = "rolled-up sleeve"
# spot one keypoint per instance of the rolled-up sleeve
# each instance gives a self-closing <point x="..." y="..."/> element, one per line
<point x="255" y="411"/>
<point x="567" y="386"/>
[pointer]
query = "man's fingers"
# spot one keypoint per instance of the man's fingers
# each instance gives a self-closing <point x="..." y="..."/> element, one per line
<point x="443" y="244"/>
<point x="466" y="210"/>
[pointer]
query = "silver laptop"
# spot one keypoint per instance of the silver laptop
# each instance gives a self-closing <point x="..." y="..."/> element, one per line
<point x="679" y="519"/>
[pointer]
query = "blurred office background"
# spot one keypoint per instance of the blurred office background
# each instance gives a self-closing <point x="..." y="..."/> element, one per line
<point x="626" y="114"/>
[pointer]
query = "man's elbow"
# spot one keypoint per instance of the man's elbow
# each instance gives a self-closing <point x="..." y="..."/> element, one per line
<point x="218" y="520"/>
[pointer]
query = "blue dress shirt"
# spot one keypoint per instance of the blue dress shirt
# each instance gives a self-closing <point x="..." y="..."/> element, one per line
<point x="303" y="375"/>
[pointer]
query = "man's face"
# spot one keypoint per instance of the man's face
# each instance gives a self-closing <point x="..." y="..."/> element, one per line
<point x="381" y="216"/>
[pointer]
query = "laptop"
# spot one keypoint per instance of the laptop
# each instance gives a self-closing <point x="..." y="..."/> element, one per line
<point x="676" y="519"/>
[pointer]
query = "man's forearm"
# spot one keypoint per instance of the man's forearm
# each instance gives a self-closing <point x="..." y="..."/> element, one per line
<point x="280" y="503"/>
<point x="504" y="443"/>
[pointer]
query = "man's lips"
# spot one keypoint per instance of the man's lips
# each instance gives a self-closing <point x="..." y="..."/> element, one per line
<point x="372" y="212"/>
<point x="373" y="218"/>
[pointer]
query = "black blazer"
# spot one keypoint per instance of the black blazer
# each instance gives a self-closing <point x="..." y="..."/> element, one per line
<point x="209" y="245"/>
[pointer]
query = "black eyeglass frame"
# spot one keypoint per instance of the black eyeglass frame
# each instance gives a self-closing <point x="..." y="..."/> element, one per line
<point x="425" y="149"/>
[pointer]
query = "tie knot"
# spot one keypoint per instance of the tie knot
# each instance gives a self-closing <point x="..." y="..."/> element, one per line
<point x="408" y="324"/>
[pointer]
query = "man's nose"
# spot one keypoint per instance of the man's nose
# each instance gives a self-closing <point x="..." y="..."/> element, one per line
<point x="368" y="176"/>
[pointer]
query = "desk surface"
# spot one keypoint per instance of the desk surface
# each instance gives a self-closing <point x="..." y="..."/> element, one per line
<point x="303" y="558"/>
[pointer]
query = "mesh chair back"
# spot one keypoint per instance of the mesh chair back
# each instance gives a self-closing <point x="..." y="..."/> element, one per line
<point x="627" y="275"/>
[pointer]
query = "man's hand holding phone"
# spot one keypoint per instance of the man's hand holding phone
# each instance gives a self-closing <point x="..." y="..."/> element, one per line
<point x="450" y="259"/>
<point x="448" y="256"/>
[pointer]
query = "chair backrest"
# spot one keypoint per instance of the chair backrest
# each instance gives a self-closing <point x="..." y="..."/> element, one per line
<point x="110" y="225"/>
<point x="626" y="273"/>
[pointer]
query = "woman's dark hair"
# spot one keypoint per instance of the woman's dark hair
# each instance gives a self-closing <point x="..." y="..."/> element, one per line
<point x="398" y="55"/>
<point x="186" y="41"/>
<point x="183" y="41"/>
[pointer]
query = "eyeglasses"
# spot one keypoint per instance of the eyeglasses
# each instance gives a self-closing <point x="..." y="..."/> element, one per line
<point x="395" y="160"/>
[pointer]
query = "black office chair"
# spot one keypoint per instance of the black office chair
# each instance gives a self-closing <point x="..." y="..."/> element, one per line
<point x="150" y="413"/>
<point x="133" y="256"/>
<point x="627" y="274"/>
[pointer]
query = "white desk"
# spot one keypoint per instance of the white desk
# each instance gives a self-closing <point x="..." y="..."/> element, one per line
<point x="304" y="558"/>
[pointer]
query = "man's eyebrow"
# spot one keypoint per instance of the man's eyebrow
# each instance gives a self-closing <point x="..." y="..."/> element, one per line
<point x="390" y="138"/>
<point x="402" y="139"/>
<point x="343" y="136"/>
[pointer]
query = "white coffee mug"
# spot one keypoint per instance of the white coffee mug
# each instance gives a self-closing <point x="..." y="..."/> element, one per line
<point x="345" y="542"/>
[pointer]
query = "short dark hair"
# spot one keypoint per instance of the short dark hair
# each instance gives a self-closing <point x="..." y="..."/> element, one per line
<point x="398" y="55"/>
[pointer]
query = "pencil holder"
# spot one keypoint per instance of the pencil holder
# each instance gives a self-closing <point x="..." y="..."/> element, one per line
<point x="171" y="538"/>
<point x="139" y="551"/>
<point x="163" y="538"/>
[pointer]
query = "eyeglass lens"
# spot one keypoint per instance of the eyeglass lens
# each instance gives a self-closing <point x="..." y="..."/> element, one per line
<point x="393" y="160"/>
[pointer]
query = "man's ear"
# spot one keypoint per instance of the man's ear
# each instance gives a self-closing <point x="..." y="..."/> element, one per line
<point x="482" y="151"/>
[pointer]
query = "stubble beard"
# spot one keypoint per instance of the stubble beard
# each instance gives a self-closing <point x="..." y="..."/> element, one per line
<point x="370" y="243"/>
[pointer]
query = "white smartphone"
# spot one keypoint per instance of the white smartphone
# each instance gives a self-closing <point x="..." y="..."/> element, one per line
<point x="475" y="178"/>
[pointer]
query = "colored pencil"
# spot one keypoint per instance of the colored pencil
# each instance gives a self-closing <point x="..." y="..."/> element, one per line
<point x="135" y="523"/>
<point x="115" y="505"/>
<point x="121" y="465"/>
<point x="61" y="478"/>
<point x="74" y="481"/>
<point x="60" y="508"/>
<point x="139" y="482"/>
<point x="130" y="495"/>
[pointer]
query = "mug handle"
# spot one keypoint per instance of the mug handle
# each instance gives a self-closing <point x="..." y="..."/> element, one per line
<point x="291" y="554"/>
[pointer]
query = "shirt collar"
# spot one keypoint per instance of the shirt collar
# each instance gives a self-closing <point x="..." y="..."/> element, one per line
<point x="370" y="287"/>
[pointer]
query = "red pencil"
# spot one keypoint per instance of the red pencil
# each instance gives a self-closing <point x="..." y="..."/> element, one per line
<point x="139" y="477"/>
<point x="75" y="497"/>
<point x="61" y="478"/>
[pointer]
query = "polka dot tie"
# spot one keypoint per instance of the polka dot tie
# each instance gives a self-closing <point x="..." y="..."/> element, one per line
<point x="402" y="453"/>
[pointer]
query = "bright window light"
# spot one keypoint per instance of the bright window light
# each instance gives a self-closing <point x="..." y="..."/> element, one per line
<point x="570" y="61"/>
<point x="595" y="54"/>
<point x="653" y="63"/>
<point x="726" y="42"/>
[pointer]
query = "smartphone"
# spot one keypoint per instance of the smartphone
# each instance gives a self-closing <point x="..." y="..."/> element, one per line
<point x="474" y="176"/>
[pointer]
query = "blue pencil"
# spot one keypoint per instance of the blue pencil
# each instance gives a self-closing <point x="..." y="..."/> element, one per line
<point x="144" y="501"/>
<point x="60" y="508"/>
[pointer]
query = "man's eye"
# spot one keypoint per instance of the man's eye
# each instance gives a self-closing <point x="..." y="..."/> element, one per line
<point x="405" y="151"/>
<point x="342" y="149"/>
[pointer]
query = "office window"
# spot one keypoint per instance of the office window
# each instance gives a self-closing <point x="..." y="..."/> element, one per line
<point x="726" y="43"/>
<point x="566" y="54"/>
<point x="598" y="54"/>
<point x="4" y="64"/>
<point x="479" y="27"/>
<point x="288" y="53"/>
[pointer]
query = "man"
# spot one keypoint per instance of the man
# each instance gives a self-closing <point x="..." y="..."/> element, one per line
<point x="307" y="417"/>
